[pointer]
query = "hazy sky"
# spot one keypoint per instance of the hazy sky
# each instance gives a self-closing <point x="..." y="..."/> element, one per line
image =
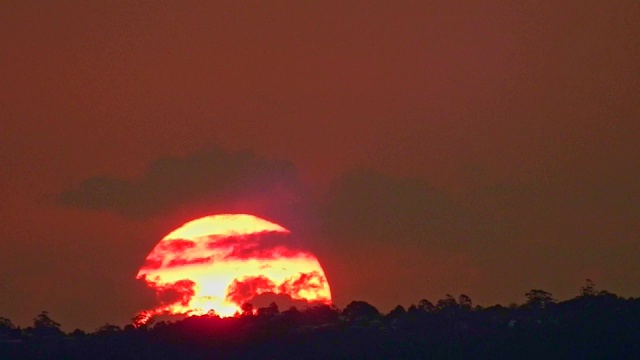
<point x="418" y="148"/>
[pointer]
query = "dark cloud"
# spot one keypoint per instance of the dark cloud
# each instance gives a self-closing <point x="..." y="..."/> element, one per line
<point x="381" y="207"/>
<point x="370" y="205"/>
<point x="360" y="204"/>
<point x="212" y="178"/>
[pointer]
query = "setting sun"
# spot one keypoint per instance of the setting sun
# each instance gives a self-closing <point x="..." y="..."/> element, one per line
<point x="219" y="262"/>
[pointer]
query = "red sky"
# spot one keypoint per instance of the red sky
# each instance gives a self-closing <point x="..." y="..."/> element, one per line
<point x="418" y="148"/>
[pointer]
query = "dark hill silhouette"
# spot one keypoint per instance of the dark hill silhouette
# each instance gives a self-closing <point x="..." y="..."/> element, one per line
<point x="593" y="325"/>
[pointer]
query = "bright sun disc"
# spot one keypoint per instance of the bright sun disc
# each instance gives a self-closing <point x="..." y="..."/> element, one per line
<point x="220" y="262"/>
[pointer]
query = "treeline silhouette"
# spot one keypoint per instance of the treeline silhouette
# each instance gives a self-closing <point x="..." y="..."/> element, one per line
<point x="592" y="325"/>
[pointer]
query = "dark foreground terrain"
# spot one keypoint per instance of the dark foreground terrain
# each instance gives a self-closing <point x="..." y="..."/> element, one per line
<point x="594" y="325"/>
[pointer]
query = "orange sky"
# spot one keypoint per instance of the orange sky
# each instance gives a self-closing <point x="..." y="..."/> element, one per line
<point x="416" y="148"/>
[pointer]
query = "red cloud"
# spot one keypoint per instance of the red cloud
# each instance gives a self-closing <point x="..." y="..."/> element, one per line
<point x="152" y="264"/>
<point x="184" y="261"/>
<point x="176" y="246"/>
<point x="306" y="281"/>
<point x="180" y="291"/>
<point x="242" y="291"/>
<point x="265" y="245"/>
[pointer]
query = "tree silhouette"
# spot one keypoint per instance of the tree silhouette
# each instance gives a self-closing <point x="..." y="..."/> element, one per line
<point x="589" y="289"/>
<point x="320" y="314"/>
<point x="412" y="309"/>
<point x="426" y="305"/>
<point x="109" y="329"/>
<point x="43" y="325"/>
<point x="360" y="310"/>
<point x="271" y="310"/>
<point x="539" y="299"/>
<point x="594" y="324"/>
<point x="448" y="305"/>
<point x="465" y="302"/>
<point x="247" y="309"/>
<point x="397" y="312"/>
<point x="43" y="320"/>
<point x="6" y="323"/>
<point x="142" y="320"/>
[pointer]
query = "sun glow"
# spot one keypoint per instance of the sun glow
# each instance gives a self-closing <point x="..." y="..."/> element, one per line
<point x="217" y="263"/>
